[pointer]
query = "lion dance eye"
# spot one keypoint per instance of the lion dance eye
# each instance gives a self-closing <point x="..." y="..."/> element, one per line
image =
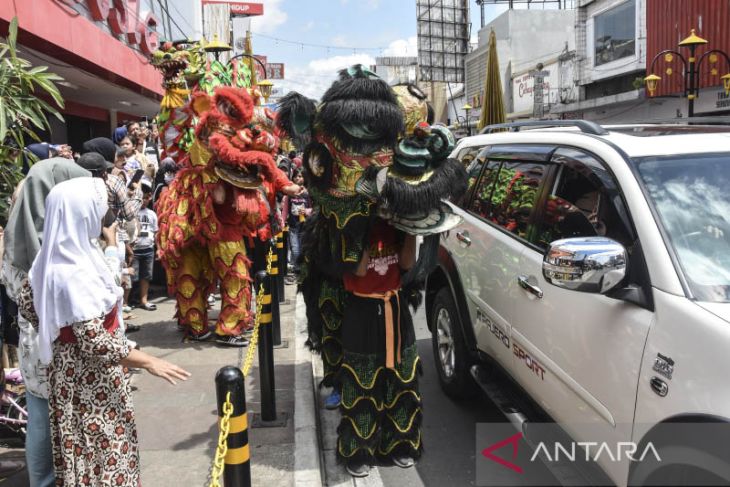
<point x="228" y="109"/>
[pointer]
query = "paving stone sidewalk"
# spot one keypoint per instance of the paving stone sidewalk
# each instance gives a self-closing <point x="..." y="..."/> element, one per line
<point x="178" y="425"/>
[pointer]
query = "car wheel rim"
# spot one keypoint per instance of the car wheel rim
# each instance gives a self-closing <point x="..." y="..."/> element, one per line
<point x="445" y="338"/>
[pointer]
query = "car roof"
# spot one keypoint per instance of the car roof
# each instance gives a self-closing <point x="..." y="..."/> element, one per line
<point x="636" y="140"/>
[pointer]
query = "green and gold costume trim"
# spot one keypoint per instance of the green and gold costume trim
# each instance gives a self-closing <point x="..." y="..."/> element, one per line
<point x="381" y="408"/>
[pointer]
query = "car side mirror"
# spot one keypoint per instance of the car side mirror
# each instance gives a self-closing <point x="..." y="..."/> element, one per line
<point x="585" y="264"/>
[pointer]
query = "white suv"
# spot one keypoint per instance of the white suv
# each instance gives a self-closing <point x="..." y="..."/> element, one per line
<point x="593" y="267"/>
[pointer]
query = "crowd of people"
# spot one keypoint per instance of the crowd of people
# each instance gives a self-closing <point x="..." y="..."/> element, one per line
<point x="80" y="233"/>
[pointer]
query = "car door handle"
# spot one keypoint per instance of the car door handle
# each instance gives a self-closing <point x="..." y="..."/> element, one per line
<point x="463" y="237"/>
<point x="525" y="284"/>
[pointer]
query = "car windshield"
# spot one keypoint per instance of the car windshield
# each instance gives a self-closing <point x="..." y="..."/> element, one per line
<point x="691" y="193"/>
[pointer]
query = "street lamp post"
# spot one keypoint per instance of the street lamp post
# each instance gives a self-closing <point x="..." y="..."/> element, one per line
<point x="691" y="68"/>
<point x="265" y="86"/>
<point x="467" y="108"/>
<point x="216" y="46"/>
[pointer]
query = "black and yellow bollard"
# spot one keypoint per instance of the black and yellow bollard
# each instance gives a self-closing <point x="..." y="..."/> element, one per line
<point x="280" y="251"/>
<point x="266" y="350"/>
<point x="275" y="295"/>
<point x="286" y="250"/>
<point x="237" y="471"/>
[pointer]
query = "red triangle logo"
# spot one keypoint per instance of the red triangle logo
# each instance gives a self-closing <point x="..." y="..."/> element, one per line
<point x="515" y="441"/>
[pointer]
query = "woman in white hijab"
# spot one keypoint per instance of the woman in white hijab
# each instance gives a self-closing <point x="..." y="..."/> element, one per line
<point x="77" y="306"/>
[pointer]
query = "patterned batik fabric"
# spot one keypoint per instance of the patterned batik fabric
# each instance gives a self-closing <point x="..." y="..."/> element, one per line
<point x="93" y="430"/>
<point x="381" y="407"/>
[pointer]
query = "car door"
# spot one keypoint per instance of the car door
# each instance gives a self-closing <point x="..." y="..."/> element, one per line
<point x="488" y="243"/>
<point x="579" y="354"/>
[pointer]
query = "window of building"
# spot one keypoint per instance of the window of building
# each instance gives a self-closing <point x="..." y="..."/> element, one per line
<point x="615" y="33"/>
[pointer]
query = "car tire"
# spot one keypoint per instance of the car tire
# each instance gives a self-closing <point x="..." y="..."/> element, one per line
<point x="451" y="356"/>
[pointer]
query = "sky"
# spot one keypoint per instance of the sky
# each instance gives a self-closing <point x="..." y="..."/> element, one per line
<point x="356" y="31"/>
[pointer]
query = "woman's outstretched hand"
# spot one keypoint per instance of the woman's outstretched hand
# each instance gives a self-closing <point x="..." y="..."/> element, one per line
<point x="166" y="370"/>
<point x="156" y="366"/>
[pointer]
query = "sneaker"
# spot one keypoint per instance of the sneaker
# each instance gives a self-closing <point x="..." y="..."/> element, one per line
<point x="126" y="309"/>
<point x="403" y="461"/>
<point x="357" y="468"/>
<point x="148" y="306"/>
<point x="231" y="341"/>
<point x="200" y="338"/>
<point x="333" y="400"/>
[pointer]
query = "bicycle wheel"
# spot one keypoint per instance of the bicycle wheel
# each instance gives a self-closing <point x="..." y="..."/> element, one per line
<point x="15" y="413"/>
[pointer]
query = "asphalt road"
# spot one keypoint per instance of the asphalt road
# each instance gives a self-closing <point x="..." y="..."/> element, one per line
<point x="450" y="442"/>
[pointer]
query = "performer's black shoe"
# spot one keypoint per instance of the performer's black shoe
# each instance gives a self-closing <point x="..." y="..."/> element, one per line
<point x="231" y="341"/>
<point x="200" y="338"/>
<point x="357" y="468"/>
<point x="403" y="461"/>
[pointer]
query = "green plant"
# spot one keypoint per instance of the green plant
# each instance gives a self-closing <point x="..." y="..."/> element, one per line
<point x="638" y="83"/>
<point x="22" y="110"/>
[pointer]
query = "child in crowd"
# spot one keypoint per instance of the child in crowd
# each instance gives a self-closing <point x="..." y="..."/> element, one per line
<point x="120" y="160"/>
<point x="144" y="247"/>
<point x="132" y="163"/>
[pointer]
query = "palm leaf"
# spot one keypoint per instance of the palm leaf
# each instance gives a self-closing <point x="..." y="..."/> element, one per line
<point x="3" y="121"/>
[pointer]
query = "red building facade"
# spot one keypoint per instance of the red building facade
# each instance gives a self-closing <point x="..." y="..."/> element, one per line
<point x="670" y="21"/>
<point x="101" y="48"/>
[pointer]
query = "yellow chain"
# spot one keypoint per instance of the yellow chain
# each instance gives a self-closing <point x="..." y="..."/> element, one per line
<point x="246" y="365"/>
<point x="222" y="448"/>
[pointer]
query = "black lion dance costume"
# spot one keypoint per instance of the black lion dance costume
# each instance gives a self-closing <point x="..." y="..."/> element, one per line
<point x="378" y="175"/>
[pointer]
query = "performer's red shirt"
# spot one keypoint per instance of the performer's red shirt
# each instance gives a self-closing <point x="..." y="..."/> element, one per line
<point x="383" y="271"/>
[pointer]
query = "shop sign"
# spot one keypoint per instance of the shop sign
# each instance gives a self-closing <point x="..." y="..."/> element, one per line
<point x="274" y="70"/>
<point x="523" y="88"/>
<point x="239" y="9"/>
<point x="122" y="20"/>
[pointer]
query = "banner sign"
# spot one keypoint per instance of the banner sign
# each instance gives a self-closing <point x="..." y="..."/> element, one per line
<point x="240" y="9"/>
<point x="275" y="71"/>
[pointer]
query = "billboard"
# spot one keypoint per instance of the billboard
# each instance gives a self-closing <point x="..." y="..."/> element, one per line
<point x="443" y="39"/>
<point x="274" y="70"/>
<point x="260" y="73"/>
<point x="239" y="9"/>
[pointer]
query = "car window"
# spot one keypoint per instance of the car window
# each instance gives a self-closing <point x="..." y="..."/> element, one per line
<point x="506" y="194"/>
<point x="467" y="155"/>
<point x="475" y="166"/>
<point x="584" y="202"/>
<point x="481" y="205"/>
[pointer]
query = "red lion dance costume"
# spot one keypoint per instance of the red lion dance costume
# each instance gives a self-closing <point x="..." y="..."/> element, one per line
<point x="223" y="194"/>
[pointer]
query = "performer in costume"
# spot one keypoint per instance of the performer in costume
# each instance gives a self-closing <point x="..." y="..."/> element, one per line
<point x="222" y="195"/>
<point x="224" y="192"/>
<point x="377" y="174"/>
<point x="381" y="405"/>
